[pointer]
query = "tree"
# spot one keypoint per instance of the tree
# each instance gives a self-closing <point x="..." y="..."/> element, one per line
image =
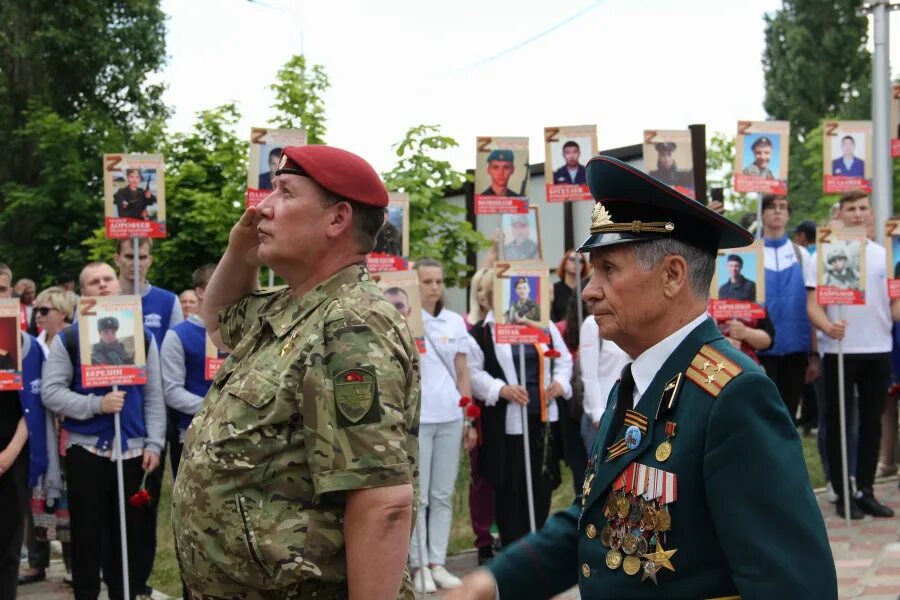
<point x="438" y="228"/>
<point x="299" y="101"/>
<point x="74" y="85"/>
<point x="206" y="172"/>
<point x="816" y="65"/>
<point x="720" y="167"/>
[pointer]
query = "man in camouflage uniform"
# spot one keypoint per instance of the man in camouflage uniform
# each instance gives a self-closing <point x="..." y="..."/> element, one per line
<point x="109" y="350"/>
<point x="298" y="473"/>
<point x="838" y="274"/>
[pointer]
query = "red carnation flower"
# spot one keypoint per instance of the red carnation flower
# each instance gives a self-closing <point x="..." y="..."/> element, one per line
<point x="473" y="411"/>
<point x="465" y="401"/>
<point x="140" y="499"/>
<point x="552" y="353"/>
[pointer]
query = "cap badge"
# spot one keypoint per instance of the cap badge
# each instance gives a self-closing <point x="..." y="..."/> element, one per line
<point x="601" y="222"/>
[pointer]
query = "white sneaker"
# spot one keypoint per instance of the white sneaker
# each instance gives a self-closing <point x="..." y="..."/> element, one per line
<point x="444" y="578"/>
<point x="425" y="573"/>
<point x="830" y="496"/>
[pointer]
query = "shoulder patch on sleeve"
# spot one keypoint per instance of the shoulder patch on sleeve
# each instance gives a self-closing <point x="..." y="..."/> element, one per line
<point x="711" y="371"/>
<point x="354" y="397"/>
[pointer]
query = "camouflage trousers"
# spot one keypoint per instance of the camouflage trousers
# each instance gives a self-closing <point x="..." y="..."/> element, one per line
<point x="309" y="590"/>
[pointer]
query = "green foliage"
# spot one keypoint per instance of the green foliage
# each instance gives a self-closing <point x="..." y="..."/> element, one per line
<point x="816" y="66"/>
<point x="720" y="169"/>
<point x="438" y="228"/>
<point x="74" y="85"/>
<point x="299" y="100"/>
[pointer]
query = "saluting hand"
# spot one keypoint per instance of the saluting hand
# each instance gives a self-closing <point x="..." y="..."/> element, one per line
<point x="244" y="237"/>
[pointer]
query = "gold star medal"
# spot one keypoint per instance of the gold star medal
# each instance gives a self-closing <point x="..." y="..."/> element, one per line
<point x="661" y="557"/>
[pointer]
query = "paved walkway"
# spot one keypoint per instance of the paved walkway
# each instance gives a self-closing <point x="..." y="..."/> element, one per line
<point x="867" y="556"/>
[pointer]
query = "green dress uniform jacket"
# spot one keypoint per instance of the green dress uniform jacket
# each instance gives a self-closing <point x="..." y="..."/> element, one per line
<point x="745" y="521"/>
<point x="319" y="396"/>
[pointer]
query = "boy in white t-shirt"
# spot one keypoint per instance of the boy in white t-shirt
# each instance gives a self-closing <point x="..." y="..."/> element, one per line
<point x="865" y="332"/>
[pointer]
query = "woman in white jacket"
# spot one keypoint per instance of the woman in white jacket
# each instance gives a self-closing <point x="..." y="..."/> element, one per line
<point x="601" y="363"/>
<point x="495" y="381"/>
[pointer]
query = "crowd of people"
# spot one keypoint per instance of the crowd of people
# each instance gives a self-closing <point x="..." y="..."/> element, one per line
<point x="56" y="436"/>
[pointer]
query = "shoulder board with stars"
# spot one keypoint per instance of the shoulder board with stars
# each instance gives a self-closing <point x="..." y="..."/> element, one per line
<point x="712" y="371"/>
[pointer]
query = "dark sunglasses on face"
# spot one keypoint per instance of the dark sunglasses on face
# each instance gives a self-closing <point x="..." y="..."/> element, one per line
<point x="44" y="310"/>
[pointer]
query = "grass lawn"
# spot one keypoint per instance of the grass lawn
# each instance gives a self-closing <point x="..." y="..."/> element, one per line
<point x="165" y="571"/>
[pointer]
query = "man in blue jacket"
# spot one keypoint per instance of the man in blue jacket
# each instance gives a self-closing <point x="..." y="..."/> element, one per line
<point x="90" y="467"/>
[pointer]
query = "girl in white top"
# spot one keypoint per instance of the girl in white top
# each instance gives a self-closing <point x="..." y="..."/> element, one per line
<point x="445" y="380"/>
<point x="601" y="363"/>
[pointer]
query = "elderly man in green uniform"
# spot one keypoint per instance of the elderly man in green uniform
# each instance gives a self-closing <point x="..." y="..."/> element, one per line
<point x="109" y="350"/>
<point x="298" y="473"/>
<point x="696" y="485"/>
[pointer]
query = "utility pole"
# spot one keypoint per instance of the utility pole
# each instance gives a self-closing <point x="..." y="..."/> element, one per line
<point x="882" y="163"/>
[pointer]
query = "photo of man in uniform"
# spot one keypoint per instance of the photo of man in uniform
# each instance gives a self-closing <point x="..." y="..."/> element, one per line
<point x="500" y="167"/>
<point x="838" y="274"/>
<point x="132" y="202"/>
<point x="265" y="179"/>
<point x="573" y="172"/>
<point x="762" y="156"/>
<point x="109" y="350"/>
<point x="737" y="287"/>
<point x="523" y="310"/>
<point x="520" y="245"/>
<point x="666" y="169"/>
<point x="848" y="165"/>
<point x="400" y="299"/>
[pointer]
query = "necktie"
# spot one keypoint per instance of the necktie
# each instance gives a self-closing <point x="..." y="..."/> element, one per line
<point x="624" y="398"/>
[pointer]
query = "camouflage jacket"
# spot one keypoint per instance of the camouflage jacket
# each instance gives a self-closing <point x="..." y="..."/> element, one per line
<point x="320" y="395"/>
<point x="110" y="354"/>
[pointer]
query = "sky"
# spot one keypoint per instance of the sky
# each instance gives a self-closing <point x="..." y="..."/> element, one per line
<point x="477" y="67"/>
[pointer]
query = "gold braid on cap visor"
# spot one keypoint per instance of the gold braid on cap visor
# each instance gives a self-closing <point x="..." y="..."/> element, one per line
<point x="601" y="222"/>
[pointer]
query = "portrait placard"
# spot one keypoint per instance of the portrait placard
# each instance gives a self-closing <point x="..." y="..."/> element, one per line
<point x="111" y="341"/>
<point x="892" y="249"/>
<point x="668" y="157"/>
<point x="895" y="121"/>
<point x="847" y="151"/>
<point x="761" y="157"/>
<point x="134" y="195"/>
<point x="841" y="260"/>
<point x="401" y="288"/>
<point x="738" y="289"/>
<point x="265" y="153"/>
<point x="501" y="175"/>
<point x="392" y="243"/>
<point x="521" y="302"/>
<point x="213" y="360"/>
<point x="521" y="236"/>
<point x="567" y="150"/>
<point x="10" y="345"/>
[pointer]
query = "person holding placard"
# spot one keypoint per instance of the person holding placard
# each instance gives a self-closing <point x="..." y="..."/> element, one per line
<point x="495" y="381"/>
<point x="26" y="440"/>
<point x="791" y="361"/>
<point x="162" y="311"/>
<point x="865" y="335"/>
<point x="299" y="471"/>
<point x="90" y="466"/>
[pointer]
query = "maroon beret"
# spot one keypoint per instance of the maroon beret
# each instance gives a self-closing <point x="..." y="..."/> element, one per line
<point x="338" y="171"/>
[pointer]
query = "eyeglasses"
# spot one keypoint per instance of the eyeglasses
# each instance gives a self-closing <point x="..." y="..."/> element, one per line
<point x="44" y="310"/>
